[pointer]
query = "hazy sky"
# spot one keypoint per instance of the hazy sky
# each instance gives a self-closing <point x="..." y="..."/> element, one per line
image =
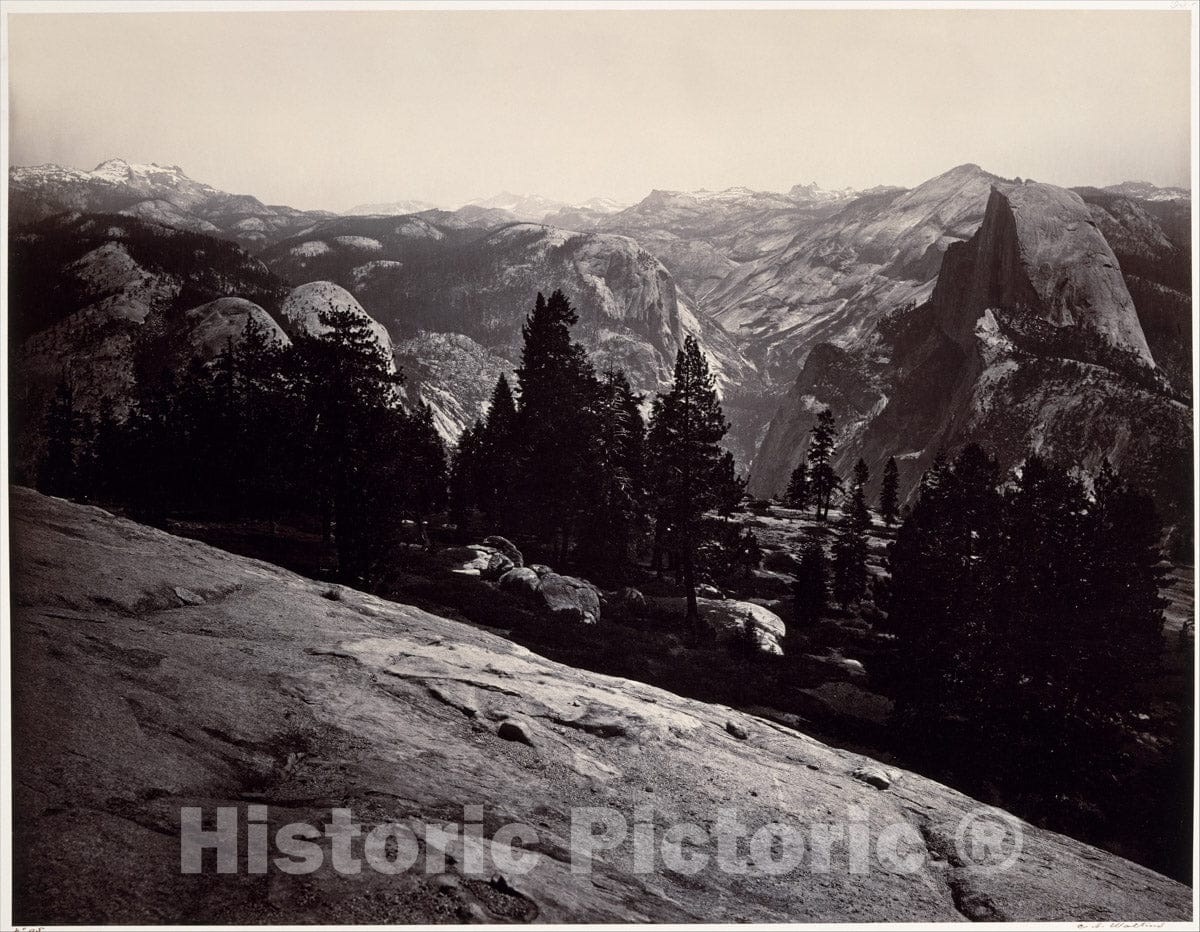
<point x="334" y="109"/>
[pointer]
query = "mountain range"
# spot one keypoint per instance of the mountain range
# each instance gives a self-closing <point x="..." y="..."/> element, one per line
<point x="970" y="306"/>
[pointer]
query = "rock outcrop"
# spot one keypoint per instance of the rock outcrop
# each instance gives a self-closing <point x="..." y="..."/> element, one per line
<point x="729" y="619"/>
<point x="1039" y="254"/>
<point x="568" y="598"/>
<point x="259" y="688"/>
<point x="210" y="328"/>
<point x="455" y="297"/>
<point x="835" y="278"/>
<point x="305" y="307"/>
<point x="1030" y="342"/>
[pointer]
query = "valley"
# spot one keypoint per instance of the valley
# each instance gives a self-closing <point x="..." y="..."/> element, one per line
<point x="761" y="279"/>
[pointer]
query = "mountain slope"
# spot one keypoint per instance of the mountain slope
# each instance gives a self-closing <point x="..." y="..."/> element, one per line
<point x="703" y="236"/>
<point x="82" y="288"/>
<point x="834" y="279"/>
<point x="155" y="673"/>
<point x="1152" y="240"/>
<point x="162" y="194"/>
<point x="1030" y="341"/>
<point x="431" y="283"/>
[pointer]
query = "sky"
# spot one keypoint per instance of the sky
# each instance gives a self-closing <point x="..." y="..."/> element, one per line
<point x="328" y="110"/>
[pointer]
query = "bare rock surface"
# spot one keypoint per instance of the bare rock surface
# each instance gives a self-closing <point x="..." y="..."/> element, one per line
<point x="132" y="701"/>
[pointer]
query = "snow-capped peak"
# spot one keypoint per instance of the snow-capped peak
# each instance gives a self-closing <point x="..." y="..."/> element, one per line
<point x="119" y="170"/>
<point x="814" y="192"/>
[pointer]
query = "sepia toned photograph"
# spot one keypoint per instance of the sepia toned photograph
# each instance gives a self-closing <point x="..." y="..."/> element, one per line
<point x="598" y="463"/>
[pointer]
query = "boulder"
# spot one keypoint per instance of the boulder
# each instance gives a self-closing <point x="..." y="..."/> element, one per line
<point x="847" y="665"/>
<point x="505" y="546"/>
<point x="781" y="561"/>
<point x="520" y="580"/>
<point x="729" y="619"/>
<point x="873" y="776"/>
<point x="516" y="729"/>
<point x="541" y="569"/>
<point x="498" y="564"/>
<point x="572" y="599"/>
<point x="846" y="700"/>
<point x="631" y="602"/>
<point x="468" y="561"/>
<point x="706" y="591"/>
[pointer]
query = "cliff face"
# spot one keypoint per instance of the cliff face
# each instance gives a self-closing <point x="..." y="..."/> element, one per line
<point x="1039" y="254"/>
<point x="153" y="673"/>
<point x="835" y="278"/>
<point x="434" y="284"/>
<point x="1030" y="342"/>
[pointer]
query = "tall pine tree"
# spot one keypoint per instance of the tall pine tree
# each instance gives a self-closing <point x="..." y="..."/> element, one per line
<point x="823" y="481"/>
<point x="797" y="490"/>
<point x="499" y="459"/>
<point x="613" y="521"/>
<point x="811" y="586"/>
<point x="889" y="493"/>
<point x="557" y="419"/>
<point x="850" y="548"/>
<point x="685" y="429"/>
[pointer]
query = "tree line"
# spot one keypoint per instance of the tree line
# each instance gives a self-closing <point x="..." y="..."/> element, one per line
<point x="1027" y="615"/>
<point x="814" y="484"/>
<point x="567" y="463"/>
<point x="313" y="432"/>
<point x="563" y="461"/>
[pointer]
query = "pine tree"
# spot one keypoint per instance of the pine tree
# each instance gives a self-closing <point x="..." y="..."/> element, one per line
<point x="613" y="522"/>
<point x="862" y="474"/>
<point x="57" y="471"/>
<point x="798" y="489"/>
<point x="850" y="548"/>
<point x="889" y="495"/>
<point x="945" y="568"/>
<point x="1126" y="580"/>
<point x="351" y="395"/>
<point x="810" y="587"/>
<point x="423" y="469"/>
<point x="464" y="472"/>
<point x="557" y="418"/>
<point x="823" y="481"/>
<point x="686" y="426"/>
<point x="499" y="456"/>
<point x="268" y="412"/>
<point x="730" y="487"/>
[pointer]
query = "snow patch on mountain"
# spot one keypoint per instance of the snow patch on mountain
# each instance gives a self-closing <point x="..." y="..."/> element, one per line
<point x="312" y="248"/>
<point x="390" y="209"/>
<point x="363" y="273"/>
<point x="366" y="243"/>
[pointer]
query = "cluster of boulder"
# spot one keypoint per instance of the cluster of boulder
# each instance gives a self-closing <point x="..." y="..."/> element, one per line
<point x="568" y="598"/>
<point x="578" y="601"/>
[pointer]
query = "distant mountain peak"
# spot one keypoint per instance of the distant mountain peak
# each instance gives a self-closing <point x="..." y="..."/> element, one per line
<point x="391" y="208"/>
<point x="1148" y="191"/>
<point x="122" y="170"/>
<point x="814" y="192"/>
